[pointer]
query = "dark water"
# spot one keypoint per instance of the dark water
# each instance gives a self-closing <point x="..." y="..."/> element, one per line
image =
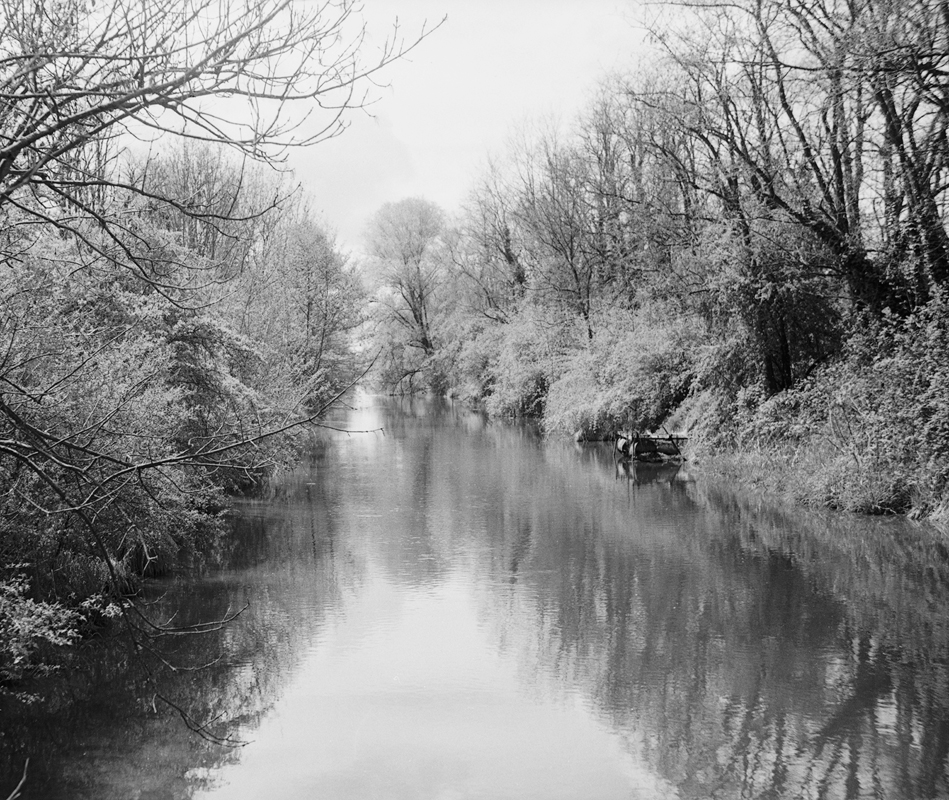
<point x="456" y="609"/>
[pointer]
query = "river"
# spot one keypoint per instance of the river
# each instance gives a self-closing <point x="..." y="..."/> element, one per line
<point x="444" y="607"/>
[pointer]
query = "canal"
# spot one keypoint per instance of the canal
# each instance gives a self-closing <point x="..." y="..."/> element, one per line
<point x="443" y="607"/>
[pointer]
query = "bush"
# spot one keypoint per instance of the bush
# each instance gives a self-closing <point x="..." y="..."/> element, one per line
<point x="27" y="626"/>
<point x="114" y="389"/>
<point x="473" y="373"/>
<point x="633" y="375"/>
<point x="531" y="353"/>
<point x="868" y="432"/>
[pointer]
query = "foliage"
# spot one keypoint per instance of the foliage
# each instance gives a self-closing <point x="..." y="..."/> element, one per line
<point x="104" y="392"/>
<point x="129" y="410"/>
<point x="889" y="421"/>
<point x="869" y="432"/>
<point x="533" y="349"/>
<point x="26" y="625"/>
<point x="301" y="303"/>
<point x="634" y="373"/>
<point x="407" y="247"/>
<point x="400" y="367"/>
<point x="474" y="369"/>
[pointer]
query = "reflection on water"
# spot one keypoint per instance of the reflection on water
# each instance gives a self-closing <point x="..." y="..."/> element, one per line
<point x="458" y="609"/>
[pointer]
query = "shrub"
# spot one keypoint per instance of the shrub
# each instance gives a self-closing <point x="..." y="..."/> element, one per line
<point x="26" y="626"/>
<point x="530" y="356"/>
<point x="870" y="431"/>
<point x="633" y="375"/>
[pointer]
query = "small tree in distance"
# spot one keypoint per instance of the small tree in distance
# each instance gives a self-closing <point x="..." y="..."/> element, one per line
<point x="405" y="241"/>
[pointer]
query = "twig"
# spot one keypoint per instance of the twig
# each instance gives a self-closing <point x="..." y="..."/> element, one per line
<point x="344" y="430"/>
<point x="16" y="791"/>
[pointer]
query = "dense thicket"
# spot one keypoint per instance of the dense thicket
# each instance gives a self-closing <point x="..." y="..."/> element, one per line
<point x="129" y="411"/>
<point x="168" y="311"/>
<point x="745" y="238"/>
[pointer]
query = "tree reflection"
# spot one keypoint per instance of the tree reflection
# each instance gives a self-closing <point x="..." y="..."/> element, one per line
<point x="738" y="649"/>
<point x="748" y="652"/>
<point x="105" y="734"/>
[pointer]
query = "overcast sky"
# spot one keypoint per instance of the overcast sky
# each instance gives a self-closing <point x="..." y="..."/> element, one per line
<point x="494" y="64"/>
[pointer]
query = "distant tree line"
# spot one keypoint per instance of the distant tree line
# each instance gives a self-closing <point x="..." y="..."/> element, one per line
<point x="745" y="237"/>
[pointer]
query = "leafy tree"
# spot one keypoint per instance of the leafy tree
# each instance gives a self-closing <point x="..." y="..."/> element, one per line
<point x="405" y="241"/>
<point x="830" y="119"/>
<point x="127" y="401"/>
<point x="301" y="300"/>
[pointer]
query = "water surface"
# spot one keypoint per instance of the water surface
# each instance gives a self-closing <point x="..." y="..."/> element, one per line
<point x="449" y="608"/>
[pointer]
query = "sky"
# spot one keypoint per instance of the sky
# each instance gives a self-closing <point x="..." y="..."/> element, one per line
<point x="492" y="66"/>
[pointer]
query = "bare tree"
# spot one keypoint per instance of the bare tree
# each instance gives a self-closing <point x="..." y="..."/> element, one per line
<point x="405" y="238"/>
<point x="78" y="79"/>
<point x="831" y="117"/>
<point x="487" y="248"/>
<point x="554" y="207"/>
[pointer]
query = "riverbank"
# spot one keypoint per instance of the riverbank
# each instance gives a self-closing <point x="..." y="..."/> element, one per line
<point x="815" y="480"/>
<point x="866" y="431"/>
